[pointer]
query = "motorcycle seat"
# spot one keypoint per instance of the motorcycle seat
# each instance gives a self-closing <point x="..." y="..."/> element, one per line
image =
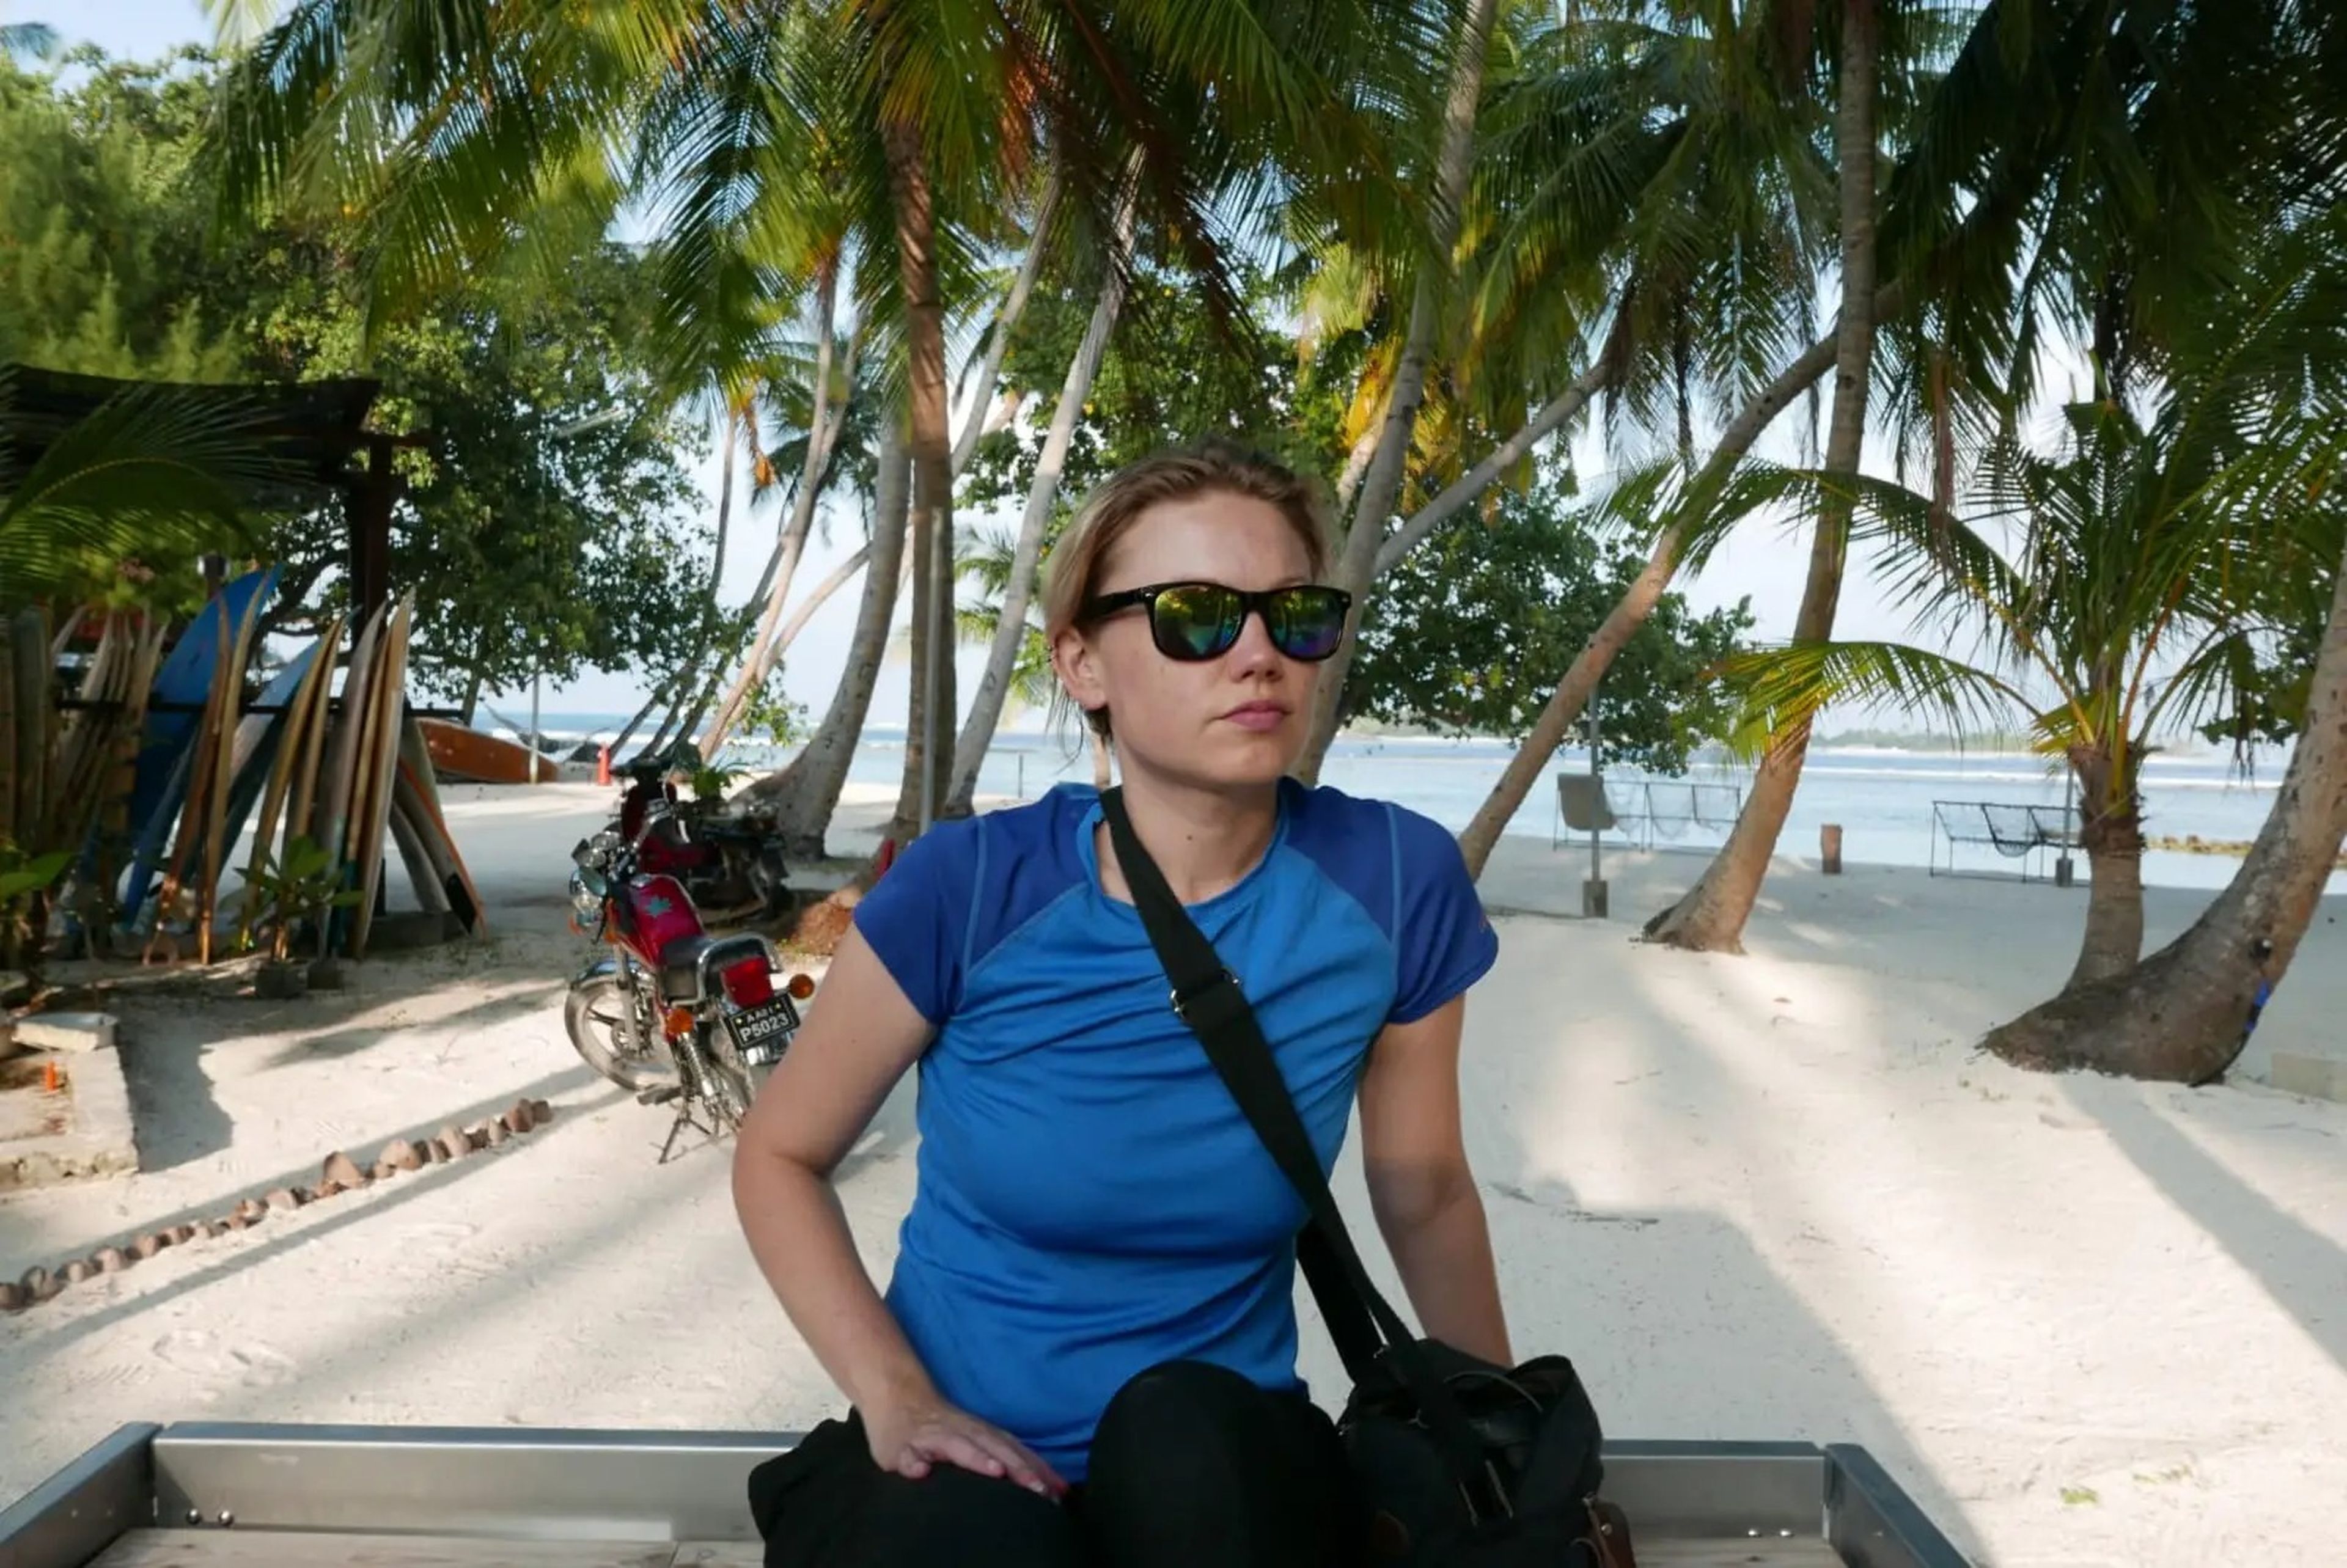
<point x="686" y="959"/>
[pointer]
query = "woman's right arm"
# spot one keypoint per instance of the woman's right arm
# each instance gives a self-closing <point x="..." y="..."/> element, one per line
<point x="861" y="1039"/>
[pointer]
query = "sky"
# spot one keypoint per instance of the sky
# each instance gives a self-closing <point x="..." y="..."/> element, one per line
<point x="1763" y="561"/>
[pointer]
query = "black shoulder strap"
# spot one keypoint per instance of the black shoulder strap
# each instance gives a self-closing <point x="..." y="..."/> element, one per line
<point x="1360" y="1320"/>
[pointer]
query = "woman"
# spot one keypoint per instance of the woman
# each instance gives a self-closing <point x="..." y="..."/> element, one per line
<point x="1086" y="1354"/>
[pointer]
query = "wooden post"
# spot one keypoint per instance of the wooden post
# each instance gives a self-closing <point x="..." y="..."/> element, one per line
<point x="1830" y="848"/>
<point x="370" y="526"/>
<point x="1594" y="900"/>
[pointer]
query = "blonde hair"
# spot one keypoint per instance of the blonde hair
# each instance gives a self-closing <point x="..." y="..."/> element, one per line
<point x="1071" y="574"/>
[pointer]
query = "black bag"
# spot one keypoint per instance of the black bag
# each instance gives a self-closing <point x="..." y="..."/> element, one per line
<point x="1461" y="1463"/>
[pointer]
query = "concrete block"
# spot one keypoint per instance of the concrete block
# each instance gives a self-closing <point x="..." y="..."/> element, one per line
<point x="2316" y="1077"/>
<point x="92" y="1138"/>
<point x="65" y="1031"/>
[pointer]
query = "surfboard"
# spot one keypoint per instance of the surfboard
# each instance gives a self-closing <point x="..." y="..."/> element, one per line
<point x="184" y="677"/>
<point x="331" y="811"/>
<point x="226" y="720"/>
<point x="315" y="673"/>
<point x="373" y="810"/>
<point x="423" y="789"/>
<point x="302" y="786"/>
<point x="409" y="839"/>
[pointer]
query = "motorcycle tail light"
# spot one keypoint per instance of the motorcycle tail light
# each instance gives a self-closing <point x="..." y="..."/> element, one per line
<point x="749" y="982"/>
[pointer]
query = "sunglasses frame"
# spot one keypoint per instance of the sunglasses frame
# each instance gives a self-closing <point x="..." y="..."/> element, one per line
<point x="1252" y="601"/>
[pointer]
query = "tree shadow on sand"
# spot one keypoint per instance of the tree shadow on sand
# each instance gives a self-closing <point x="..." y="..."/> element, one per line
<point x="2303" y="1270"/>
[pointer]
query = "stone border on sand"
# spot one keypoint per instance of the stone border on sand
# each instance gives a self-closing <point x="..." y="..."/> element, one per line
<point x="337" y="1173"/>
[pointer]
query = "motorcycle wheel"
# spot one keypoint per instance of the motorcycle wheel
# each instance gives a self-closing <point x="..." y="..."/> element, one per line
<point x="737" y="1086"/>
<point x="596" y="1016"/>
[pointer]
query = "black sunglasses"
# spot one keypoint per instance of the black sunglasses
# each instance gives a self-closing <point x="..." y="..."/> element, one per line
<point x="1197" y="620"/>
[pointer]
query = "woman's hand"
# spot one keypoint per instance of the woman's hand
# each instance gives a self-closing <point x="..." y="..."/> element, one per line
<point x="912" y="1433"/>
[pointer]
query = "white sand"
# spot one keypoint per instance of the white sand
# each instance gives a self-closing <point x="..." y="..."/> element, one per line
<point x="2086" y="1322"/>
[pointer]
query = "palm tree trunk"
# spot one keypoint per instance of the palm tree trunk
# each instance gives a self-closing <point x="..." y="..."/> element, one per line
<point x="1711" y="916"/>
<point x="2112" y="835"/>
<point x="685" y="710"/>
<point x="713" y="620"/>
<point x="2185" y="1013"/>
<point x="1553" y="414"/>
<point x="1010" y="630"/>
<point x="998" y="343"/>
<point x="929" y="736"/>
<point x="824" y="424"/>
<point x="1356" y="563"/>
<point x="1357" y="464"/>
<point x="1630" y="612"/>
<point x="806" y="793"/>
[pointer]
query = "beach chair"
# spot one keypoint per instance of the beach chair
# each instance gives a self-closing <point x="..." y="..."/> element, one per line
<point x="1583" y="806"/>
<point x="2015" y="832"/>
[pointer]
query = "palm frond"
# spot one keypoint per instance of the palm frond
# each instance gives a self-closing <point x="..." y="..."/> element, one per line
<point x="1776" y="688"/>
<point x="156" y="474"/>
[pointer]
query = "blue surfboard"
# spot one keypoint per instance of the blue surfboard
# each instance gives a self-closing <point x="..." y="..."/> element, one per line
<point x="159" y="783"/>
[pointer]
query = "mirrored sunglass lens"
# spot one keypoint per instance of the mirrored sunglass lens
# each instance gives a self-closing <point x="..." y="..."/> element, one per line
<point x="1307" y="622"/>
<point x="1195" y="622"/>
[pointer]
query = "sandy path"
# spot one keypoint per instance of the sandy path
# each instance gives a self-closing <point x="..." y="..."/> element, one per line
<point x="2086" y="1322"/>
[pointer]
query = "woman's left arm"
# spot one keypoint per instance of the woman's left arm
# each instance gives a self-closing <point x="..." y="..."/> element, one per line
<point x="1420" y="1188"/>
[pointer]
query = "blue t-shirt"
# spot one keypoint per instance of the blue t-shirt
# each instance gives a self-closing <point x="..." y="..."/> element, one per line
<point x="1089" y="1200"/>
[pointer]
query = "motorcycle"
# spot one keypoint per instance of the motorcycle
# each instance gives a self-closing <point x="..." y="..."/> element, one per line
<point x="730" y="863"/>
<point x="671" y="1012"/>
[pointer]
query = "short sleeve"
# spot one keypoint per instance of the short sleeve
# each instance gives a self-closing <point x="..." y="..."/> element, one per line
<point x="916" y="916"/>
<point x="1443" y="941"/>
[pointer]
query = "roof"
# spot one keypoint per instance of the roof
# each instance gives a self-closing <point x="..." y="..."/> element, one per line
<point x="309" y="429"/>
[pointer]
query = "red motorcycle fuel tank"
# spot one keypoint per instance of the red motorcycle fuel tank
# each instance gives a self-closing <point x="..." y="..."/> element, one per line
<point x="659" y="912"/>
<point x="662" y="912"/>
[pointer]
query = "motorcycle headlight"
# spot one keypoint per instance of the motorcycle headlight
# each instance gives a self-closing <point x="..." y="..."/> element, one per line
<point x="584" y="900"/>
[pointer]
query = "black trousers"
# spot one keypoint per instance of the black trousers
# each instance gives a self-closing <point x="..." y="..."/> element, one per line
<point x="1193" y="1465"/>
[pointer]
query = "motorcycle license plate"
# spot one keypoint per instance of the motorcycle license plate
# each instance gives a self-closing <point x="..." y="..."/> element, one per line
<point x="762" y="1032"/>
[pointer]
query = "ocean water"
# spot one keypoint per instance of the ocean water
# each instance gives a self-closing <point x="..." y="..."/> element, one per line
<point x="1883" y="800"/>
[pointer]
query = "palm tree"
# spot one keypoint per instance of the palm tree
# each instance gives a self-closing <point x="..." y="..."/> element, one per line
<point x="2115" y="617"/>
<point x="1446" y="191"/>
<point x="992" y="558"/>
<point x="27" y="40"/>
<point x="2045" y="133"/>
<point x="1712" y="912"/>
<point x="1012" y="580"/>
<point x="2135" y="270"/>
<point x="2185" y="1013"/>
<point x="2151" y="562"/>
<point x="827" y="417"/>
<point x="806" y="793"/>
<point x="447" y="127"/>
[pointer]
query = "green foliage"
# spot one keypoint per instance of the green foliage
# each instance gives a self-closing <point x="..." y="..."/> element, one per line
<point x="540" y="526"/>
<point x="301" y="883"/>
<point x="103" y="261"/>
<point x="542" y="521"/>
<point x="137" y="488"/>
<point x="1170" y="376"/>
<point x="1474" y="630"/>
<point x="708" y="781"/>
<point x="771" y="716"/>
<point x="24" y="882"/>
<point x="985" y="556"/>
